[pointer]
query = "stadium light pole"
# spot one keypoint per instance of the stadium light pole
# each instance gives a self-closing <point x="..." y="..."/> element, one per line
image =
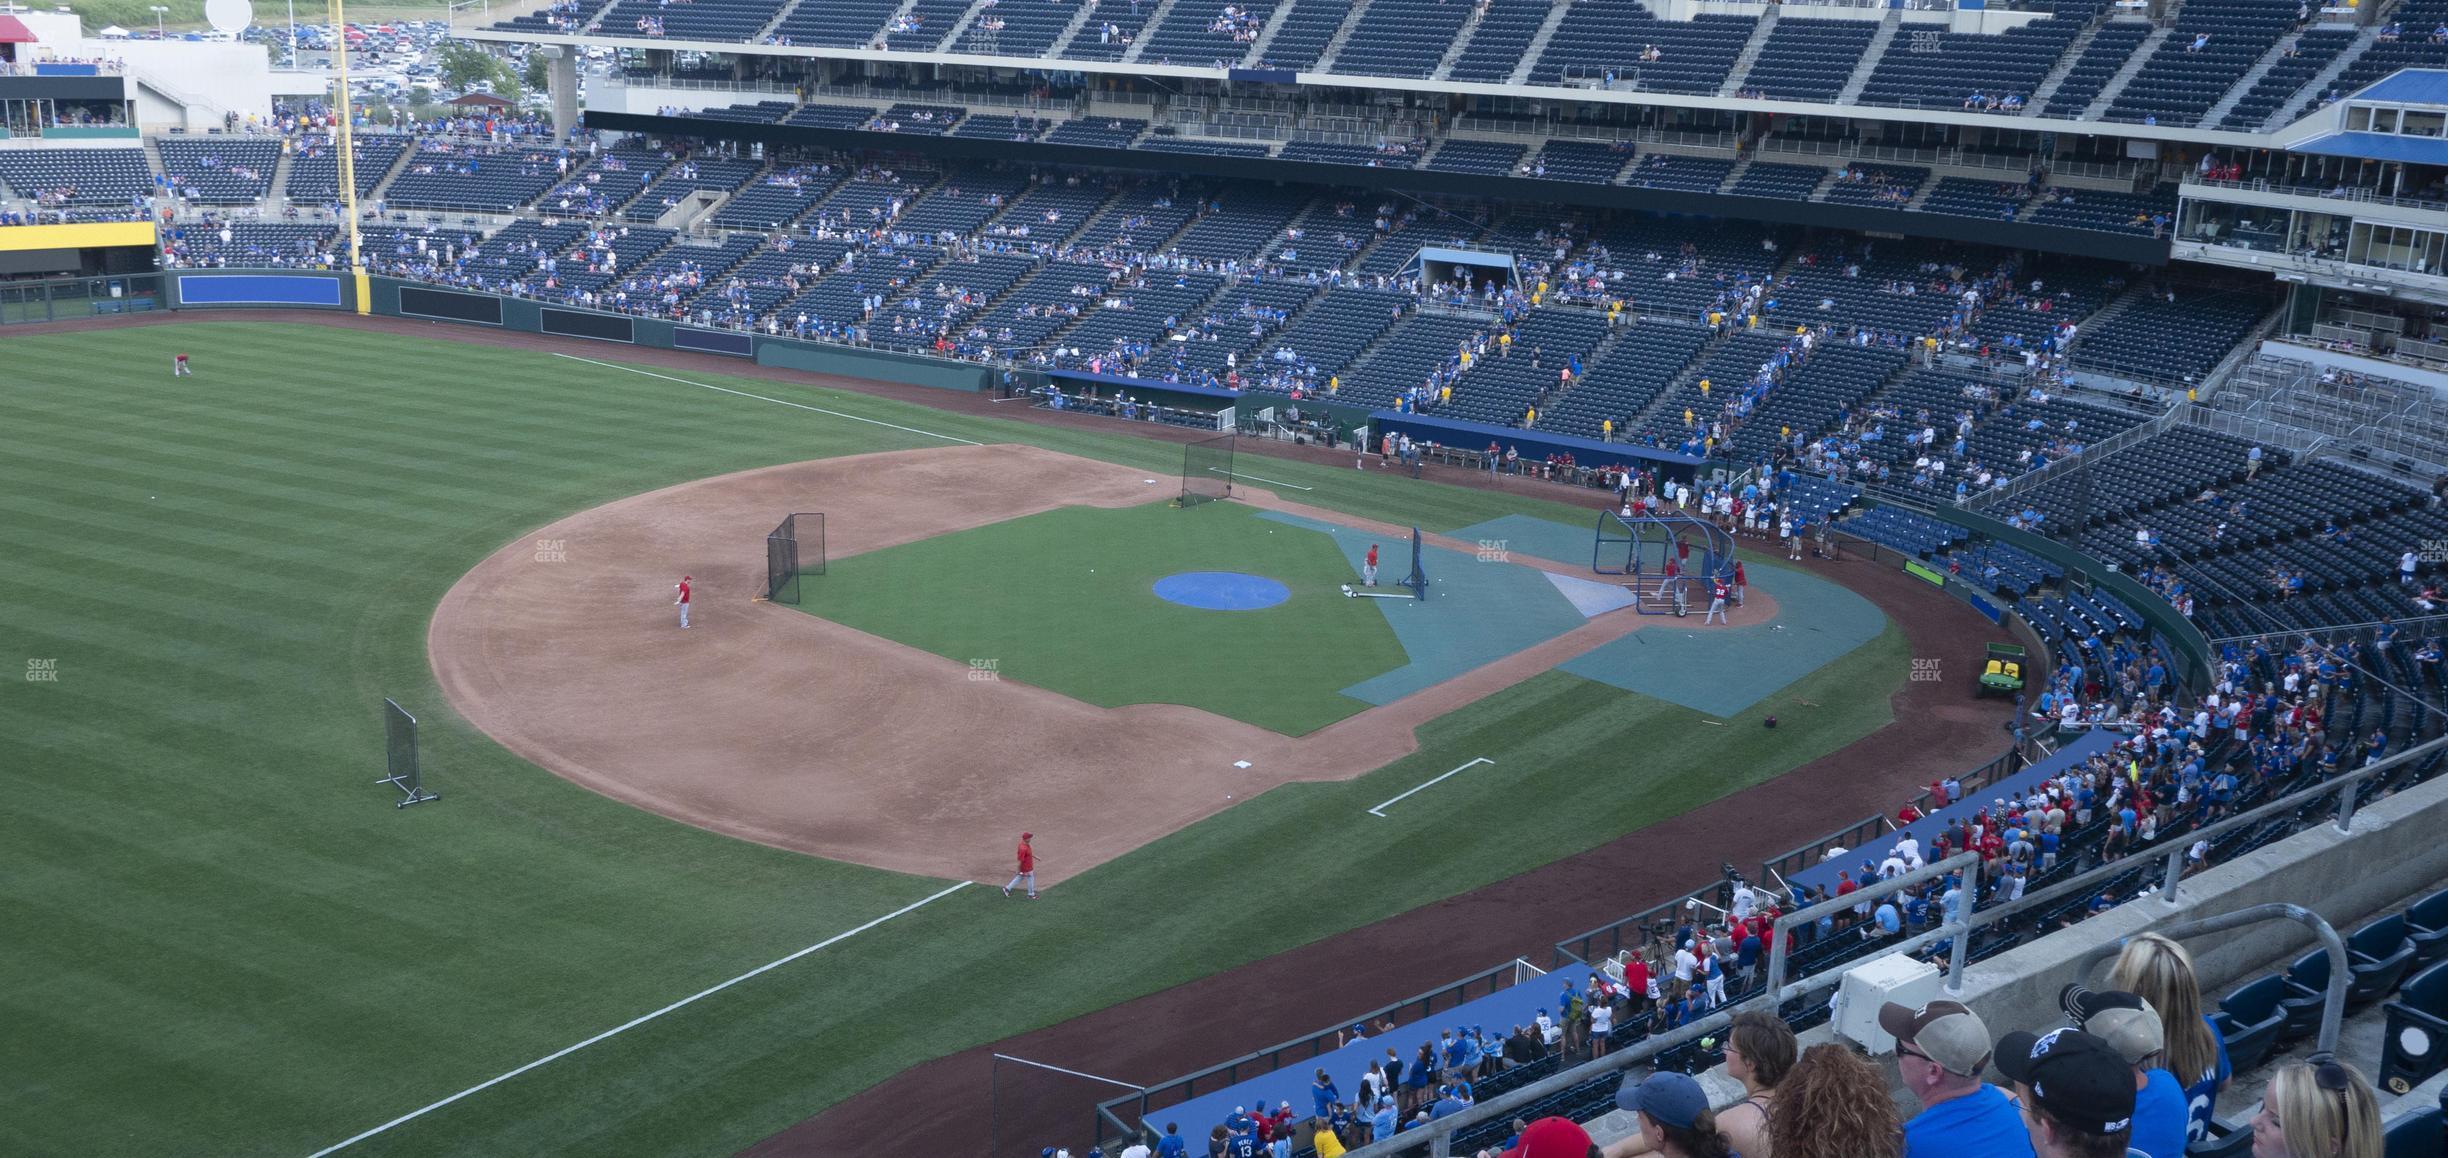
<point x="160" y="31"/>
<point x="346" y="142"/>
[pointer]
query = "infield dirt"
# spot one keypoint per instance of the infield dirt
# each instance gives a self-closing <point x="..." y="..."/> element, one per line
<point x="788" y="729"/>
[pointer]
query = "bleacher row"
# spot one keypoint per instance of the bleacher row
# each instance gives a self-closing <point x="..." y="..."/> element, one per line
<point x="1274" y="289"/>
<point x="1616" y="42"/>
<point x="1593" y="162"/>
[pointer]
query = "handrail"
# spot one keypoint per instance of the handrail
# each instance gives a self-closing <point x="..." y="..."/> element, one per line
<point x="2333" y="1001"/>
<point x="2329" y="630"/>
<point x="1438" y="1134"/>
<point x="2090" y="454"/>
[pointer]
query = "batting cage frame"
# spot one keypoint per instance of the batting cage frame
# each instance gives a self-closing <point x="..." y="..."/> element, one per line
<point x="1207" y="469"/>
<point x="400" y="755"/>
<point x="1653" y="554"/>
<point x="1416" y="581"/>
<point x="786" y="557"/>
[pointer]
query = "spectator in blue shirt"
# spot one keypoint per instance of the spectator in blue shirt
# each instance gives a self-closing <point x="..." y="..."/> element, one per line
<point x="1323" y="1093"/>
<point x="1941" y="1050"/>
<point x="1381" y="1123"/>
<point x="1172" y="1145"/>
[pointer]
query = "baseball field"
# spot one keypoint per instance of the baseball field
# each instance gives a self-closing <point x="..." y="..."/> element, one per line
<point x="684" y="890"/>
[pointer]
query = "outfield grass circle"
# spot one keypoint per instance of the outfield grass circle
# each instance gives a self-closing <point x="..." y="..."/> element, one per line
<point x="1222" y="590"/>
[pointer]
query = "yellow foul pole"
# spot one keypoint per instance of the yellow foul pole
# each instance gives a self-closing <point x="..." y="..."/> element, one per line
<point x="346" y="141"/>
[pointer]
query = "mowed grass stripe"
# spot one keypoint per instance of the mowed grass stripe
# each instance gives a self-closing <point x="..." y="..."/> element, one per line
<point x="385" y="959"/>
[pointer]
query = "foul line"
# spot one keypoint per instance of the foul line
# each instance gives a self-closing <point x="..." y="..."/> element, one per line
<point x="1073" y="1073"/>
<point x="1474" y="763"/>
<point x="1255" y="478"/>
<point x="634" y="1023"/>
<point x="775" y="401"/>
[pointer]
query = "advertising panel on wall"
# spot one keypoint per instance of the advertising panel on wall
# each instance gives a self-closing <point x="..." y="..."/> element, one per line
<point x="735" y="343"/>
<point x="242" y="289"/>
<point x="449" y="306"/>
<point x="579" y="324"/>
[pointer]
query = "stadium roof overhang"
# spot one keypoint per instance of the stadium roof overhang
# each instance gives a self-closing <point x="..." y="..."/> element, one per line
<point x="1939" y="115"/>
<point x="2379" y="147"/>
<point x="1864" y="218"/>
<point x="2413" y="86"/>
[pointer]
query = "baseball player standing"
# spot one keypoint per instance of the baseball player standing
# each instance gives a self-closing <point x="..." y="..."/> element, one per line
<point x="178" y="366"/>
<point x="1718" y="590"/>
<point x="1028" y="869"/>
<point x="1368" y="574"/>
<point x="683" y="601"/>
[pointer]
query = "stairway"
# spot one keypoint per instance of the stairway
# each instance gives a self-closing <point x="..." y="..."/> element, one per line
<point x="2308" y="99"/>
<point x="406" y="158"/>
<point x="1538" y="44"/>
<point x="1461" y="42"/>
<point x="2124" y="76"/>
<point x="1750" y="53"/>
<point x="1334" y="46"/>
<point x="1266" y="34"/>
<point x="1689" y="374"/>
<point x="1871" y="56"/>
<point x="1147" y="31"/>
<point x="960" y="28"/>
<point x="2244" y="83"/>
<point x="278" y="194"/>
<point x="2056" y="77"/>
<point x="1063" y="40"/>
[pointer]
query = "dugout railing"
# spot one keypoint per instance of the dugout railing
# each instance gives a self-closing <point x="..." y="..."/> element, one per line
<point x="2333" y="800"/>
<point x="1111" y="1121"/>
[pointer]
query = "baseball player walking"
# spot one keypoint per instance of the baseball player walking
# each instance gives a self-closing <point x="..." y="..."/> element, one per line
<point x="683" y="601"/>
<point x="1028" y="869"/>
<point x="1368" y="574"/>
<point x="178" y="367"/>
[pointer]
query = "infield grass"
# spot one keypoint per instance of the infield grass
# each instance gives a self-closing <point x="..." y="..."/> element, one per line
<point x="223" y="939"/>
<point x="1064" y="600"/>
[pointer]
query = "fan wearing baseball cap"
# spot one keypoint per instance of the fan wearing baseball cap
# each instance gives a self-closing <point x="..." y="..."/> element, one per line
<point x="1673" y="1112"/>
<point x="2132" y="1028"/>
<point x="1551" y="1138"/>
<point x="1941" y="1049"/>
<point x="2077" y="1093"/>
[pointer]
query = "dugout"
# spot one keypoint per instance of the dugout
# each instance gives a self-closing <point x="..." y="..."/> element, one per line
<point x="1534" y="445"/>
<point x="1172" y="403"/>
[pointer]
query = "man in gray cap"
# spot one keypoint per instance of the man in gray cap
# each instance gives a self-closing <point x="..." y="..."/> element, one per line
<point x="2077" y="1093"/>
<point x="2132" y="1028"/>
<point x="1941" y="1049"/>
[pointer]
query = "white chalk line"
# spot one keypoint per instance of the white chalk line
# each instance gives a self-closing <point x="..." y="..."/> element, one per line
<point x="635" y="1022"/>
<point x="1378" y="811"/>
<point x="1255" y="478"/>
<point x="775" y="401"/>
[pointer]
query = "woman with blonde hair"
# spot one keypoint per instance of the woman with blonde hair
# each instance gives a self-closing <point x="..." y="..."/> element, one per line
<point x="2162" y="973"/>
<point x="1834" y="1104"/>
<point x="2317" y="1108"/>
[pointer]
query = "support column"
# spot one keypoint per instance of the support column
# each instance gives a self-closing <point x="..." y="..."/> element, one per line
<point x="561" y="77"/>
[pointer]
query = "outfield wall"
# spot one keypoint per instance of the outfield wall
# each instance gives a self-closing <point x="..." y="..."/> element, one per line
<point x="334" y="291"/>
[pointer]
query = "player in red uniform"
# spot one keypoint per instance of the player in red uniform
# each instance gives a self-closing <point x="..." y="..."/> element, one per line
<point x="178" y="366"/>
<point x="683" y="601"/>
<point x="1028" y="869"/>
<point x="1368" y="574"/>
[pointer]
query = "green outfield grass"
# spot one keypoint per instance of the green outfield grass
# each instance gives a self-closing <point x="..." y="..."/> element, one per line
<point x="1063" y="600"/>
<point x="223" y="939"/>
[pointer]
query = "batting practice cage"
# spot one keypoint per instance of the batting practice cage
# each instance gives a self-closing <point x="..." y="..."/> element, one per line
<point x="400" y="755"/>
<point x="1207" y="467"/>
<point x="797" y="546"/>
<point x="1668" y="560"/>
